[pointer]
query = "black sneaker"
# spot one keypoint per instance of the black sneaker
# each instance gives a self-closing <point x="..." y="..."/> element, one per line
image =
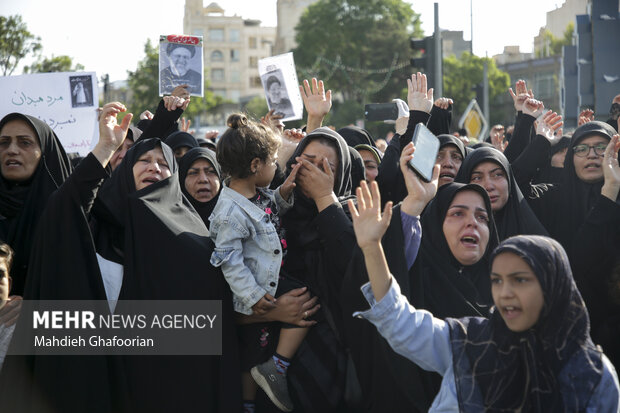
<point x="273" y="384"/>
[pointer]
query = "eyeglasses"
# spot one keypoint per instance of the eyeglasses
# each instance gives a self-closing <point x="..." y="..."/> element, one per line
<point x="583" y="150"/>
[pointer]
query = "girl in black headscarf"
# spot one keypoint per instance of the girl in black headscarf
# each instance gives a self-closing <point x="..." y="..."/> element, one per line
<point x="203" y="179"/>
<point x="534" y="353"/>
<point x="490" y="168"/>
<point x="23" y="196"/>
<point x="141" y="232"/>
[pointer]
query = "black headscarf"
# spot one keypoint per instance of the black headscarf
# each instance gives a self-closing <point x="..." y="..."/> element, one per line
<point x="22" y="204"/>
<point x="204" y="209"/>
<point x="436" y="282"/>
<point x="516" y="217"/>
<point x="316" y="380"/>
<point x="497" y="369"/>
<point x="447" y="139"/>
<point x="354" y="136"/>
<point x="180" y="139"/>
<point x="575" y="196"/>
<point x="166" y="252"/>
<point x="440" y="283"/>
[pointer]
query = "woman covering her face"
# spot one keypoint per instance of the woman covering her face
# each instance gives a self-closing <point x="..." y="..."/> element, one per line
<point x="135" y="238"/>
<point x="489" y="168"/>
<point x="33" y="165"/>
<point x="200" y="177"/>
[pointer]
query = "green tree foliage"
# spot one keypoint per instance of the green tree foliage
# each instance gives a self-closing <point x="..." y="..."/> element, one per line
<point x="53" y="64"/>
<point x="348" y="42"/>
<point x="553" y="45"/>
<point x="257" y="107"/>
<point x="144" y="84"/>
<point x="16" y="42"/>
<point x="463" y="74"/>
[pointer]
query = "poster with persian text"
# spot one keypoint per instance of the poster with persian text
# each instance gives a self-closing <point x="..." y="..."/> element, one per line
<point x="66" y="101"/>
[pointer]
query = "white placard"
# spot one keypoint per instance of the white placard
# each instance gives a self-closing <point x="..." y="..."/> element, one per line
<point x="181" y="63"/>
<point x="279" y="78"/>
<point x="66" y="101"/>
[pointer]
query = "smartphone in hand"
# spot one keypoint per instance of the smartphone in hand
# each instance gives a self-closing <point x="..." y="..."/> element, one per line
<point x="425" y="155"/>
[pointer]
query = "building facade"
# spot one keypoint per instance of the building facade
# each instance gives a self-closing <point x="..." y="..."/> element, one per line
<point x="232" y="48"/>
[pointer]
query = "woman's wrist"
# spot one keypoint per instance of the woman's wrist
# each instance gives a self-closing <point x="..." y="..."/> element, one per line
<point x="611" y="190"/>
<point x="324" y="201"/>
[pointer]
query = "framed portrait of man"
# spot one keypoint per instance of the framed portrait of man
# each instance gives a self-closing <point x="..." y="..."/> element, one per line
<point x="181" y="63"/>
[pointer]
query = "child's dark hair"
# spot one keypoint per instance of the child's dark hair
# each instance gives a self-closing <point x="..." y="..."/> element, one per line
<point x="243" y="141"/>
<point x="6" y="253"/>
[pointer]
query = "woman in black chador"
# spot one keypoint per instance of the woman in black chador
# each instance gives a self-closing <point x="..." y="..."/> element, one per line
<point x="135" y="238"/>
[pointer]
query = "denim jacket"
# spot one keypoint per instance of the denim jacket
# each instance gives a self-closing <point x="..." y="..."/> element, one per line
<point x="247" y="246"/>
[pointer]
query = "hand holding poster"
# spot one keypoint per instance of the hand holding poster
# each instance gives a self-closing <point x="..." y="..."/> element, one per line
<point x="66" y="101"/>
<point x="180" y="63"/>
<point x="279" y="78"/>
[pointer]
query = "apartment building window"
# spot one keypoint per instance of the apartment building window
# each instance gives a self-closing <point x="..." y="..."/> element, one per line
<point x="217" y="56"/>
<point x="253" y="61"/>
<point x="198" y="32"/>
<point x="255" y="81"/>
<point x="217" y="75"/>
<point x="220" y="92"/>
<point x="234" y="35"/>
<point x="253" y="42"/>
<point x="234" y="95"/>
<point x="235" y="76"/>
<point x="216" y="35"/>
<point x="234" y="55"/>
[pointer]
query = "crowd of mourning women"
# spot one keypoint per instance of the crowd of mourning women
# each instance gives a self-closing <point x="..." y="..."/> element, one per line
<point x="347" y="282"/>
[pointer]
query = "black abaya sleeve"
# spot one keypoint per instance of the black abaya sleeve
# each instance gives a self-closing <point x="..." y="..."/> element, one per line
<point x="388" y="170"/>
<point x="336" y="232"/>
<point x="439" y="122"/>
<point x="521" y="137"/>
<point x="533" y="158"/>
<point x="163" y="122"/>
<point x="390" y="178"/>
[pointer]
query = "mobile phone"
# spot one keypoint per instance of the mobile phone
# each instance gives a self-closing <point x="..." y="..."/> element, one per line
<point x="426" y="149"/>
<point x="381" y="111"/>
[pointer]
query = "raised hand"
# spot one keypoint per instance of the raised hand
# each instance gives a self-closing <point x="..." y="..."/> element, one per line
<point x="533" y="107"/>
<point x="146" y="115"/>
<point x="548" y="127"/>
<point x="286" y="189"/>
<point x="181" y="91"/>
<point x="585" y="116"/>
<point x="521" y="95"/>
<point x="498" y="138"/>
<point x="174" y="102"/>
<point x="443" y="103"/>
<point x="111" y="134"/>
<point x="185" y="124"/>
<point x="273" y="120"/>
<point x="368" y="223"/>
<point x="418" y="97"/>
<point x="316" y="101"/>
<point x="211" y="135"/>
<point x="419" y="193"/>
<point x="611" y="169"/>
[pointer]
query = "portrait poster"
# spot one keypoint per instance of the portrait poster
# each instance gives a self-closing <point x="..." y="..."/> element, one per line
<point x="66" y="101"/>
<point x="279" y="79"/>
<point x="181" y="63"/>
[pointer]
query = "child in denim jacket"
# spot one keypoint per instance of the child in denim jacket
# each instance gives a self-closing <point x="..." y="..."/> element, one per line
<point x="249" y="246"/>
